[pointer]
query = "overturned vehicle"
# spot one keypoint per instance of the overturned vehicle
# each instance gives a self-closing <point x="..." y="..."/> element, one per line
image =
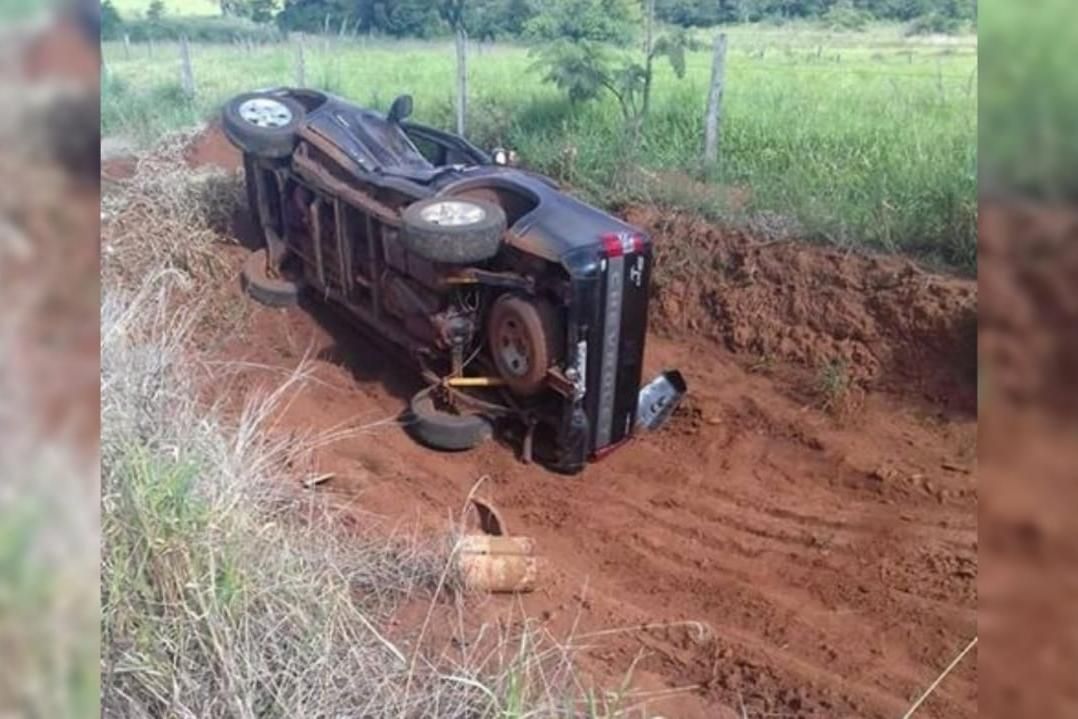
<point x="521" y="306"/>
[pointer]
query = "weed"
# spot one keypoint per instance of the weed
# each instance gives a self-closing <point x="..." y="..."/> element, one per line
<point x="834" y="386"/>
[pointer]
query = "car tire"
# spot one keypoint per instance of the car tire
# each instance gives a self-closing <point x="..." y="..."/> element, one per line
<point x="524" y="341"/>
<point x="453" y="230"/>
<point x="263" y="124"/>
<point x="445" y="431"/>
<point x="266" y="290"/>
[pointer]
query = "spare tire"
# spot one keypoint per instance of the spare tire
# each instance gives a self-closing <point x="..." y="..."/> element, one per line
<point x="263" y="124"/>
<point x="443" y="430"/>
<point x="453" y="230"/>
<point x="266" y="290"/>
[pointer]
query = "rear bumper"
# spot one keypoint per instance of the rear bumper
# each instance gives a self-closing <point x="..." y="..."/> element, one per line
<point x="607" y="330"/>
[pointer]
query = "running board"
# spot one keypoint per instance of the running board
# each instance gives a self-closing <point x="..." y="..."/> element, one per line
<point x="658" y="399"/>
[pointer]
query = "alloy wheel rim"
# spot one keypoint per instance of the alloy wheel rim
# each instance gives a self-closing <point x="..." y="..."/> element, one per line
<point x="265" y="112"/>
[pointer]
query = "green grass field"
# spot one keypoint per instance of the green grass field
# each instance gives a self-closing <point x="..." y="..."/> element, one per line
<point x="857" y="139"/>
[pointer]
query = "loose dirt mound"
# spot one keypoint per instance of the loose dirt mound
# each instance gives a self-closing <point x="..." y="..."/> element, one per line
<point x="756" y="553"/>
<point x="211" y="148"/>
<point x="882" y="320"/>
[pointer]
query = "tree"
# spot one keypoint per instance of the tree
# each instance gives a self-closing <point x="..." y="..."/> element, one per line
<point x="844" y="16"/>
<point x="615" y="21"/>
<point x="156" y="11"/>
<point x="310" y="15"/>
<point x="111" y="22"/>
<point x="585" y="68"/>
<point x="261" y="11"/>
<point x="407" y="18"/>
<point x="488" y="19"/>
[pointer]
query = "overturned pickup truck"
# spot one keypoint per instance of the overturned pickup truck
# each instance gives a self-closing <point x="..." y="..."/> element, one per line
<point x="521" y="306"/>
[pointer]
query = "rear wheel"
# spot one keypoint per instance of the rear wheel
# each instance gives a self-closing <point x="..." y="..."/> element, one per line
<point x="454" y="230"/>
<point x="524" y="340"/>
<point x="441" y="429"/>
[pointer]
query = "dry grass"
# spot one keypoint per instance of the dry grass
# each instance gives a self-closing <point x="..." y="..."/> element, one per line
<point x="166" y="215"/>
<point x="224" y="591"/>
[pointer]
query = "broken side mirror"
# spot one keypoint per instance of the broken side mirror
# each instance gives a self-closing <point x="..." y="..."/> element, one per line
<point x="400" y="109"/>
<point x="659" y="398"/>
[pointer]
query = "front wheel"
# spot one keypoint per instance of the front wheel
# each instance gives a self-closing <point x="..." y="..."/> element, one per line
<point x="265" y="285"/>
<point x="453" y="230"/>
<point x="263" y="124"/>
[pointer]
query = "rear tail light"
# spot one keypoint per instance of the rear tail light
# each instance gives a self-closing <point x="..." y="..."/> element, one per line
<point x="617" y="244"/>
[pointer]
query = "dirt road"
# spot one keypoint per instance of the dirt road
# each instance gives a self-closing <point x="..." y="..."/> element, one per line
<point x="824" y="539"/>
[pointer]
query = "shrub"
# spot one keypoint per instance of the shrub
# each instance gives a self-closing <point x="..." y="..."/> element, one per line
<point x="201" y="29"/>
<point x="934" y="23"/>
<point x="845" y="17"/>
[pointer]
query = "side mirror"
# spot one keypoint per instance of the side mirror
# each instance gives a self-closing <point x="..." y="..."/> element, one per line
<point x="400" y="109"/>
<point x="502" y="156"/>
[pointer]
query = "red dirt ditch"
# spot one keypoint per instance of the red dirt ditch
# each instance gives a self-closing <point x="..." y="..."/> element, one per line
<point x="771" y="548"/>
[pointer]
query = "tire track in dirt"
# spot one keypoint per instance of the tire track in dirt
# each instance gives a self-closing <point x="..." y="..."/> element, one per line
<point x="817" y="609"/>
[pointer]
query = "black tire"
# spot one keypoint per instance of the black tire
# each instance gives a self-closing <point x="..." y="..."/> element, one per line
<point x="453" y="244"/>
<point x="262" y="141"/>
<point x="445" y="431"/>
<point x="523" y="336"/>
<point x="269" y="291"/>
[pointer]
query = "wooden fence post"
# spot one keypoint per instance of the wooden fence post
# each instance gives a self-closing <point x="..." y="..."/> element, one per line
<point x="187" y="73"/>
<point x="301" y="66"/>
<point x="462" y="78"/>
<point x="713" y="120"/>
<point x="127" y="46"/>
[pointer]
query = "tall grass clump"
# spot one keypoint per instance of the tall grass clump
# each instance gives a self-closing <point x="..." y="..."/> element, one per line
<point x="223" y="593"/>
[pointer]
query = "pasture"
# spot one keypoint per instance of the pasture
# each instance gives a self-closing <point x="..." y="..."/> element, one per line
<point x="857" y="139"/>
